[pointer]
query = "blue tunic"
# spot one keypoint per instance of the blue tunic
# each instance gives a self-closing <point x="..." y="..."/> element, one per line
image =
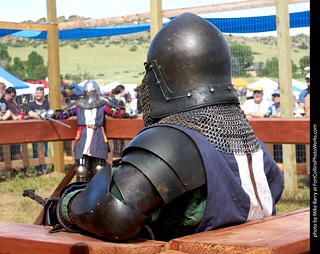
<point x="91" y="141"/>
<point x="230" y="194"/>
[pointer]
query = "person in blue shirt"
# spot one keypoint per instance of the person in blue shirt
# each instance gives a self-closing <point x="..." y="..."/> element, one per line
<point x="275" y="109"/>
<point x="304" y="92"/>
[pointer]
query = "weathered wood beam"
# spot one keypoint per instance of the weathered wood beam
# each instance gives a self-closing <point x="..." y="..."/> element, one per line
<point x="282" y="131"/>
<point x="143" y="16"/>
<point x="226" y="7"/>
<point x="285" y="81"/>
<point x="156" y="17"/>
<point x="272" y="130"/>
<point x="23" y="26"/>
<point x="54" y="75"/>
<point x="172" y="13"/>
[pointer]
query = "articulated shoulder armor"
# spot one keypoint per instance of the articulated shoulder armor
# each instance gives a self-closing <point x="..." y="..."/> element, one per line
<point x="82" y="103"/>
<point x="158" y="165"/>
<point x="169" y="158"/>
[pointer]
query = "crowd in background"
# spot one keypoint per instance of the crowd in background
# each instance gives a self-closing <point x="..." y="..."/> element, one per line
<point x="11" y="109"/>
<point x="258" y="107"/>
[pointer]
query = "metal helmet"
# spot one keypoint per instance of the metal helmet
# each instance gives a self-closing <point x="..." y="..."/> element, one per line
<point x="188" y="66"/>
<point x="91" y="91"/>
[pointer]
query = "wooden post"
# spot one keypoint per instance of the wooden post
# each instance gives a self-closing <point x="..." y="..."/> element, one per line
<point x="155" y="17"/>
<point x="286" y="95"/>
<point x="54" y="76"/>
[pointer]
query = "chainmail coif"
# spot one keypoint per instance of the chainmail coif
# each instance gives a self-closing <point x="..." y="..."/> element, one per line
<point x="224" y="125"/>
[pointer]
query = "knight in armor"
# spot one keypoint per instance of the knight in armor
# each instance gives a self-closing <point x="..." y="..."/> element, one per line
<point x="197" y="164"/>
<point x="91" y="146"/>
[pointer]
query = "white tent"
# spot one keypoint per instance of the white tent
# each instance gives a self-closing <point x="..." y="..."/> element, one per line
<point x="31" y="89"/>
<point x="266" y="84"/>
<point x="298" y="84"/>
<point x="297" y="87"/>
<point x="82" y="83"/>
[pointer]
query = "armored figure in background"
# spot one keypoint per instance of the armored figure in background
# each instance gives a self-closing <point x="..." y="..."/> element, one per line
<point x="196" y="166"/>
<point x="91" y="146"/>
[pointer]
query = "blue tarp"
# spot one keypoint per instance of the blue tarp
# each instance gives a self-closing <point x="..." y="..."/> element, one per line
<point x="259" y="24"/>
<point x="17" y="83"/>
<point x="225" y="25"/>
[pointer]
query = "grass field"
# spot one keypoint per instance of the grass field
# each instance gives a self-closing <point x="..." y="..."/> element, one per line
<point x="124" y="62"/>
<point x="16" y="208"/>
<point x="107" y="64"/>
<point x="266" y="51"/>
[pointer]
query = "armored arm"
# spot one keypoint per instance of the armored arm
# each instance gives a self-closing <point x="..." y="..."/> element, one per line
<point x="71" y="110"/>
<point x="158" y="165"/>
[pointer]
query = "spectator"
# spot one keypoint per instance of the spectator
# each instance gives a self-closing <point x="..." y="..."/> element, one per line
<point x="275" y="109"/>
<point x="15" y="150"/>
<point x="135" y="104"/>
<point x="69" y="90"/>
<point x="33" y="110"/>
<point x="65" y="100"/>
<point x="295" y="104"/>
<point x="256" y="107"/>
<point x="5" y="112"/>
<point x="304" y="98"/>
<point x="118" y="92"/>
<point x="10" y="97"/>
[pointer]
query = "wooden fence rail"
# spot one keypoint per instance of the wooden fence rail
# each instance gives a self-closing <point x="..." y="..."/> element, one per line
<point x="268" y="130"/>
<point x="280" y="131"/>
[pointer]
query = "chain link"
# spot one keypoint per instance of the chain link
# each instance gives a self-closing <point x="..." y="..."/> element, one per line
<point x="224" y="125"/>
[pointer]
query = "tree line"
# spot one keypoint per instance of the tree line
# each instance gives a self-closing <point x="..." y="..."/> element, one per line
<point x="242" y="57"/>
<point x="33" y="68"/>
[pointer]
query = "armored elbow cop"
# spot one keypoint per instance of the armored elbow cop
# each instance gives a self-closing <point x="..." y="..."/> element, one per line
<point x="155" y="170"/>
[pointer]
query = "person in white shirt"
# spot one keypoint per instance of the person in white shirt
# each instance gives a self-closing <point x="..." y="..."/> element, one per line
<point x="256" y="107"/>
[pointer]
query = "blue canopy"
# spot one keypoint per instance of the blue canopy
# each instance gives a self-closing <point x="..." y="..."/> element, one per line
<point x="225" y="25"/>
<point x="9" y="80"/>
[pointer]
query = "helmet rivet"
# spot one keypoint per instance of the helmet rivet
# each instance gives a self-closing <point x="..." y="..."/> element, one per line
<point x="211" y="90"/>
<point x="150" y="67"/>
<point x="158" y="82"/>
<point x="189" y="95"/>
<point x="167" y="98"/>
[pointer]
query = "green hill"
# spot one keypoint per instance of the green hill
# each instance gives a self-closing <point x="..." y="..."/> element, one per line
<point x="106" y="62"/>
<point x="121" y="58"/>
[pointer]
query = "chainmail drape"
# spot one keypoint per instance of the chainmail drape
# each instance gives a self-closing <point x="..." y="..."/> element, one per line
<point x="224" y="125"/>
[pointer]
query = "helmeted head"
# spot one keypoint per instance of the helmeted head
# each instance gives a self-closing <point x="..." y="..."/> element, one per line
<point x="91" y="91"/>
<point x="188" y="66"/>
